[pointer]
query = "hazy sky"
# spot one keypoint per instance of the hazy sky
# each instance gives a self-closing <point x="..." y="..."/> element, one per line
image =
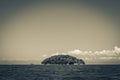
<point x="34" y="29"/>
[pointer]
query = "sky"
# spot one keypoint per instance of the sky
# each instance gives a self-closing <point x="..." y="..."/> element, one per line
<point x="37" y="29"/>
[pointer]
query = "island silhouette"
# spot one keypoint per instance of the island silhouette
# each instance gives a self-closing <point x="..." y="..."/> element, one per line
<point x="63" y="59"/>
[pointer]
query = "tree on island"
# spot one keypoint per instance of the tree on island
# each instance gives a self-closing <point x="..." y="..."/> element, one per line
<point x="63" y="59"/>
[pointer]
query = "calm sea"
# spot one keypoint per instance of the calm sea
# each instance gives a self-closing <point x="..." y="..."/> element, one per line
<point x="59" y="72"/>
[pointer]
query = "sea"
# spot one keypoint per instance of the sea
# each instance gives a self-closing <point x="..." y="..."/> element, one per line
<point x="59" y="72"/>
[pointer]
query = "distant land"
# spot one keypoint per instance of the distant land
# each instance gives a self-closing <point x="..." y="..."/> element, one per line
<point x="63" y="59"/>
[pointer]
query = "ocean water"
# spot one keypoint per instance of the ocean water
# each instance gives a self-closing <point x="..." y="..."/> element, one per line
<point x="59" y="72"/>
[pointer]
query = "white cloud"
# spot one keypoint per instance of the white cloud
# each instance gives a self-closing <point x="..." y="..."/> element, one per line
<point x="116" y="49"/>
<point x="76" y="51"/>
<point x="55" y="54"/>
<point x="44" y="55"/>
<point x="103" y="54"/>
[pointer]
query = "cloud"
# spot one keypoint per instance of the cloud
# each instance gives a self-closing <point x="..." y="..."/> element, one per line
<point x="116" y="49"/>
<point x="101" y="55"/>
<point x="55" y="54"/>
<point x="76" y="51"/>
<point x="59" y="54"/>
<point x="44" y="55"/>
<point x="114" y="52"/>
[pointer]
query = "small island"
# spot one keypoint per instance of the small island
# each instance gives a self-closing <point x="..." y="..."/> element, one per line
<point x="63" y="59"/>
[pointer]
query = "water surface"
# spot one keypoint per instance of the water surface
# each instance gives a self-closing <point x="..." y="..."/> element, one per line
<point x="59" y="72"/>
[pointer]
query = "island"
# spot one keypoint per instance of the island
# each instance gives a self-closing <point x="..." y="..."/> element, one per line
<point x="63" y="59"/>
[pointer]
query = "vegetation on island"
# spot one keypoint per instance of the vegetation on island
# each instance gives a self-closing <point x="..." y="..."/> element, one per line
<point x="63" y="59"/>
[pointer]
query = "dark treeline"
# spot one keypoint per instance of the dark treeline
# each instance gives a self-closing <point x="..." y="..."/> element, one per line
<point x="62" y="59"/>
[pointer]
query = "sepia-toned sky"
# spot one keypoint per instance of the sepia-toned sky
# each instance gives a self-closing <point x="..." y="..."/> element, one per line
<point x="36" y="29"/>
